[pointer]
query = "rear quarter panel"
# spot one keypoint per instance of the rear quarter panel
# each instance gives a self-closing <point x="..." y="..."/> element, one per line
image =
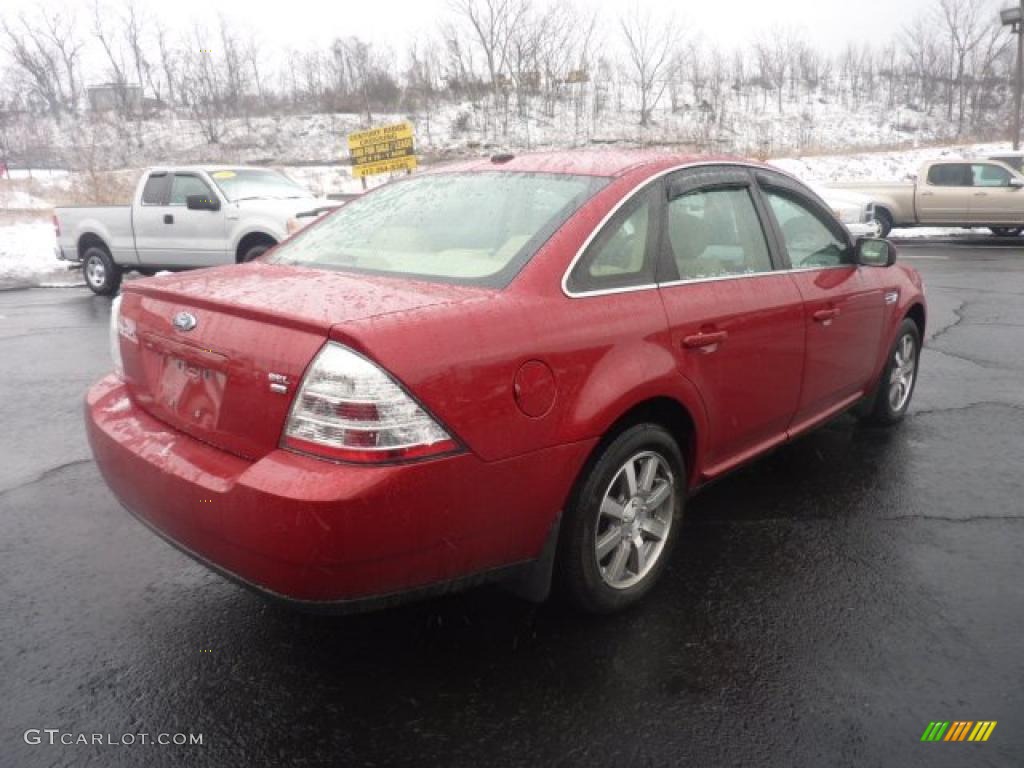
<point x="112" y="224"/>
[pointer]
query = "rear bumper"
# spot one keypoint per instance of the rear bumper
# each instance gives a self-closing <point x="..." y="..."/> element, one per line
<point x="321" y="533"/>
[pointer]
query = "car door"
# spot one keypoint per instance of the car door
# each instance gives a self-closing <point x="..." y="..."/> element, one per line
<point x="736" y="320"/>
<point x="844" y="304"/>
<point x="189" y="238"/>
<point x="945" y="196"/>
<point x="148" y="214"/>
<point x="995" y="200"/>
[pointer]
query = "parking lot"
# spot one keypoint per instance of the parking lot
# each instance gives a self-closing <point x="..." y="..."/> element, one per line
<point x="823" y="605"/>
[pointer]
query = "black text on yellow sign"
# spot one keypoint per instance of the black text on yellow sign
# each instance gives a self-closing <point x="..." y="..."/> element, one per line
<point x="382" y="150"/>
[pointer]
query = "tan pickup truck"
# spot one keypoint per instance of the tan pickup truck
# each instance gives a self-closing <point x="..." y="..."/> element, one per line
<point x="951" y="193"/>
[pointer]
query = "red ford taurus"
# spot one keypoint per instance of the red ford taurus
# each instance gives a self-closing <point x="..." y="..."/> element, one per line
<point x="512" y="369"/>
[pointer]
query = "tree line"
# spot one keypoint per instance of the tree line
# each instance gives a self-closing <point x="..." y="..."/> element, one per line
<point x="508" y="62"/>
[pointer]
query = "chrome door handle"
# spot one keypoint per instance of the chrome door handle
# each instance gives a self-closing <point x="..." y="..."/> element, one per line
<point x="826" y="315"/>
<point x="700" y="340"/>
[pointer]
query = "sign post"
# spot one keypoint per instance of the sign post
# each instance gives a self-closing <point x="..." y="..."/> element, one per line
<point x="386" y="149"/>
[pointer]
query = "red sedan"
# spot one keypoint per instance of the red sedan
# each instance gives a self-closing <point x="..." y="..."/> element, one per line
<point x="512" y="369"/>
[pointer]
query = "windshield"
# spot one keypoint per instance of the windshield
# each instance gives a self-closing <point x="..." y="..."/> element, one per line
<point x="256" y="183"/>
<point x="472" y="228"/>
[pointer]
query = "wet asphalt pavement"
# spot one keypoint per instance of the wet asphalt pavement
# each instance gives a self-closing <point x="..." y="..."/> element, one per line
<point x="823" y="606"/>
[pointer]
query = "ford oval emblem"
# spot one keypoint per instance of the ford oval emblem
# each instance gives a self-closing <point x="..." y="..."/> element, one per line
<point x="185" y="321"/>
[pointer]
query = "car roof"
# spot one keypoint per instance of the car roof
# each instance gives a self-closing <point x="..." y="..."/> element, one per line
<point x="587" y="162"/>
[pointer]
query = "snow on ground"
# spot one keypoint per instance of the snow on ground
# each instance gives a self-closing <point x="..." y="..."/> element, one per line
<point x="26" y="254"/>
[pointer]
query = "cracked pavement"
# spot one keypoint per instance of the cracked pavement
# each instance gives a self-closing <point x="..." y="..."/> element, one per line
<point x="824" y="604"/>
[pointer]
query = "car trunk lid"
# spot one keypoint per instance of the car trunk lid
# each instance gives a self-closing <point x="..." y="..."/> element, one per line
<point x="219" y="354"/>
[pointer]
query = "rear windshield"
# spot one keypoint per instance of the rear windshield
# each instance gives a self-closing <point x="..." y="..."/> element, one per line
<point x="470" y="228"/>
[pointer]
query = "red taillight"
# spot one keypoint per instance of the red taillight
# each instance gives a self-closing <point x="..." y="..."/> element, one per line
<point x="349" y="409"/>
<point x="56" y="225"/>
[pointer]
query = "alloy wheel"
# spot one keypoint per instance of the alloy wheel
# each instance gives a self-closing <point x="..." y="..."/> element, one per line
<point x="904" y="368"/>
<point x="634" y="519"/>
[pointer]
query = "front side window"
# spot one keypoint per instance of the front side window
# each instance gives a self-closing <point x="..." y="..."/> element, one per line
<point x="472" y="228"/>
<point x="716" y="233"/>
<point x="986" y="175"/>
<point x="809" y="241"/>
<point x="185" y="185"/>
<point x="951" y="175"/>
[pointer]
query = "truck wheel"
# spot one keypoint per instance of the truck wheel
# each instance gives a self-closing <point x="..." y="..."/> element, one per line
<point x="102" y="275"/>
<point x="884" y="219"/>
<point x="255" y="251"/>
<point x="1006" y="231"/>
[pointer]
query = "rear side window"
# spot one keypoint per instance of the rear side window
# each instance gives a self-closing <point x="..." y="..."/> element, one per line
<point x="716" y="233"/>
<point x="951" y="175"/>
<point x="185" y="185"/>
<point x="155" y="191"/>
<point x="620" y="256"/>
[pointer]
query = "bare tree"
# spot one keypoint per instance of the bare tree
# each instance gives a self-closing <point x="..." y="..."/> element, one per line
<point x="493" y="24"/>
<point x="47" y="53"/>
<point x="963" y="25"/>
<point x="649" y="43"/>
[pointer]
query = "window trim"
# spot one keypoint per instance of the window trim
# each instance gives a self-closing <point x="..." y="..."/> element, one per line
<point x="652" y="246"/>
<point x="744" y="181"/>
<point x="751" y="168"/>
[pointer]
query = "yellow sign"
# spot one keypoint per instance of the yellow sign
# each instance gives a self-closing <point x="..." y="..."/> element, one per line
<point x="382" y="150"/>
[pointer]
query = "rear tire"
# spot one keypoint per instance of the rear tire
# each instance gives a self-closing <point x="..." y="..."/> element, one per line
<point x="622" y="521"/>
<point x="884" y="219"/>
<point x="891" y="398"/>
<point x="1006" y="231"/>
<point x="102" y="275"/>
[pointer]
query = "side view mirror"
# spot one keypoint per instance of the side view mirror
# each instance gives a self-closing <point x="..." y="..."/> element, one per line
<point x="875" y="252"/>
<point x="1016" y="182"/>
<point x="202" y="203"/>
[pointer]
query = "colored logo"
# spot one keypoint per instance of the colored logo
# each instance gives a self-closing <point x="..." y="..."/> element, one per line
<point x="958" y="730"/>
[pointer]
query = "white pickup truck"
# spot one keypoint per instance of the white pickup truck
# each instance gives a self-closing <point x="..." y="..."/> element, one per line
<point x="181" y="218"/>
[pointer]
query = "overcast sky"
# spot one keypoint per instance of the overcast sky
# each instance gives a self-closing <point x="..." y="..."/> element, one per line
<point x="829" y="23"/>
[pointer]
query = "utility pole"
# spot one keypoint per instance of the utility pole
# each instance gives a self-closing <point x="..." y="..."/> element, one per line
<point x="1019" y="85"/>
<point x="1013" y="18"/>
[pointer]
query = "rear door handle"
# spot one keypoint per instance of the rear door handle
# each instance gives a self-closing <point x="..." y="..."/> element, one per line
<point x="826" y="315"/>
<point x="705" y="339"/>
<point x="168" y="218"/>
<point x="981" y="194"/>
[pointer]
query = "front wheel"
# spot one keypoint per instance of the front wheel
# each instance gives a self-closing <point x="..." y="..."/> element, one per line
<point x="102" y="275"/>
<point x="891" y="398"/>
<point x="1006" y="231"/>
<point x="255" y="251"/>
<point x="885" y="222"/>
<point x="622" y="521"/>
